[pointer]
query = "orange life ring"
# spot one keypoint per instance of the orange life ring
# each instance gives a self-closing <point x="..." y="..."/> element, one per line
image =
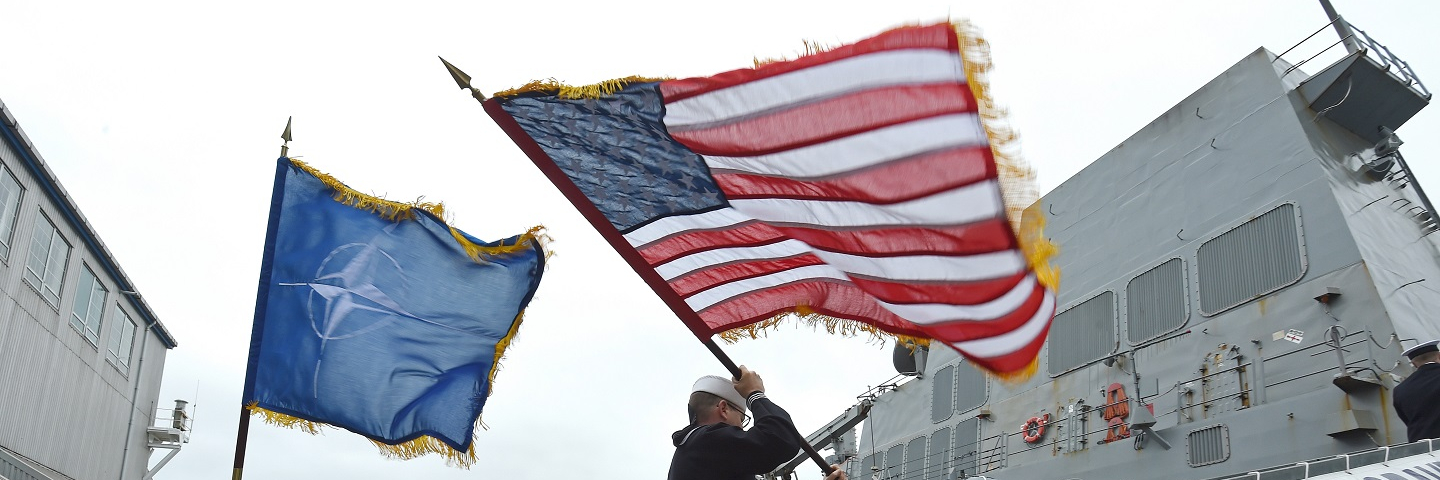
<point x="1034" y="428"/>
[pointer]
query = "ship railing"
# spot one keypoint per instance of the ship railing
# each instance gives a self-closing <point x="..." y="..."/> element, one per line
<point x="1339" y="463"/>
<point x="1369" y="47"/>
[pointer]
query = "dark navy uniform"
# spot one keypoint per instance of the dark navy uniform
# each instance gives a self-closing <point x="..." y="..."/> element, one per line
<point x="1417" y="401"/>
<point x="720" y="451"/>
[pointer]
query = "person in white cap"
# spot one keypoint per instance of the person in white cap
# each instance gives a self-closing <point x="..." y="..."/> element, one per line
<point x="1416" y="399"/>
<point x="716" y="445"/>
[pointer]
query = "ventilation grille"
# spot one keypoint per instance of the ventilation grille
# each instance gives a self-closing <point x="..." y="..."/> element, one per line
<point x="1253" y="259"/>
<point x="970" y="389"/>
<point x="1155" y="302"/>
<point x="1209" y="445"/>
<point x="942" y="399"/>
<point x="1088" y="331"/>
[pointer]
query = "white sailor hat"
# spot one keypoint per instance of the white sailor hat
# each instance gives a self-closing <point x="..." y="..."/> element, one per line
<point x="721" y="387"/>
<point x="1422" y="349"/>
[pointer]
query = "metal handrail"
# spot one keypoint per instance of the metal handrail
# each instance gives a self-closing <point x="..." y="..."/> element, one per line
<point x="1369" y="47"/>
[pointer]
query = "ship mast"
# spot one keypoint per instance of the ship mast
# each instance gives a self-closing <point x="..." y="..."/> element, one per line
<point x="1341" y="27"/>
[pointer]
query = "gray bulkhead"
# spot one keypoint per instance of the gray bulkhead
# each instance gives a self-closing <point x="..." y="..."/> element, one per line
<point x="1239" y="369"/>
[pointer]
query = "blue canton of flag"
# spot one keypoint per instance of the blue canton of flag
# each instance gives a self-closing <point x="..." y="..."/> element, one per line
<point x="378" y="318"/>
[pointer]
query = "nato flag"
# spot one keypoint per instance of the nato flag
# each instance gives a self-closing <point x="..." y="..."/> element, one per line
<point x="379" y="318"/>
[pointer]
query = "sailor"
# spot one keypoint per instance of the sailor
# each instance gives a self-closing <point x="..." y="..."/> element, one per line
<point x="716" y="444"/>
<point x="1416" y="397"/>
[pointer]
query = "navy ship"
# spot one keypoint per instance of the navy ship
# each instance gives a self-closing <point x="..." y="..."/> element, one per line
<point x="1240" y="277"/>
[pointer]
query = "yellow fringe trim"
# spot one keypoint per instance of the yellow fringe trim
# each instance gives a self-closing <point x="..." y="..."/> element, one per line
<point x="834" y="326"/>
<point x="811" y="47"/>
<point x="1017" y="179"/>
<point x="427" y="445"/>
<point x="405" y="451"/>
<point x="387" y="209"/>
<point x="535" y="236"/>
<point x="597" y="90"/>
<point x="284" y="421"/>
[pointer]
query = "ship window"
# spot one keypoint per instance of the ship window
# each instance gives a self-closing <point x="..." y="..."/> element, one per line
<point x="942" y="403"/>
<point x="894" y="459"/>
<point x="939" y="455"/>
<point x="1088" y="330"/>
<point x="970" y="388"/>
<point x="10" y="192"/>
<point x="967" y="446"/>
<point x="1155" y="302"/>
<point x="1258" y="257"/>
<point x="914" y="460"/>
<point x="865" y="465"/>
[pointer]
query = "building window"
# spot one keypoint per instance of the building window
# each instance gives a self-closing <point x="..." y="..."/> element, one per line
<point x="122" y="338"/>
<point x="10" y="191"/>
<point x="89" y="302"/>
<point x="48" y="254"/>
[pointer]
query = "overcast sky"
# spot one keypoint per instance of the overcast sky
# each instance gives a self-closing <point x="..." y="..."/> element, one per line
<point x="162" y="120"/>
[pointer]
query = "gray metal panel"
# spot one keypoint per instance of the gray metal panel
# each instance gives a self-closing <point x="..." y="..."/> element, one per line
<point x="1155" y="302"/>
<point x="967" y="446"/>
<point x="1088" y="330"/>
<point x="1208" y="445"/>
<point x="914" y="468"/>
<point x="894" y="460"/>
<point x="939" y="459"/>
<point x="971" y="387"/>
<point x="942" y="398"/>
<point x="1255" y="258"/>
<point x="867" y="465"/>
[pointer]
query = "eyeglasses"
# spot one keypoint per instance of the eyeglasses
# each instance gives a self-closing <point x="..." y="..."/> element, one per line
<point x="745" y="417"/>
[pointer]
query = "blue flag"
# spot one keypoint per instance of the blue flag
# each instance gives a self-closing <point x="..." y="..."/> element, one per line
<point x="377" y="317"/>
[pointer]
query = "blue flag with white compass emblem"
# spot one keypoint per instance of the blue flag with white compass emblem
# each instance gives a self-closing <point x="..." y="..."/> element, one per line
<point x="377" y="317"/>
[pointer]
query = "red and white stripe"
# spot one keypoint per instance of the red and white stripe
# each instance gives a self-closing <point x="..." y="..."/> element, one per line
<point x="861" y="186"/>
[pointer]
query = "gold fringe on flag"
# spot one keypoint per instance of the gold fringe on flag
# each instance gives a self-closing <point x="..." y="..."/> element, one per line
<point x="426" y="445"/>
<point x="562" y="90"/>
<point x="835" y="326"/>
<point x="387" y="209"/>
<point x="404" y="451"/>
<point x="1017" y="179"/>
<point x="535" y="236"/>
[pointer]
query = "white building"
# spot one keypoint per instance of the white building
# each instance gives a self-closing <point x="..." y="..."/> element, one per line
<point x="81" y="354"/>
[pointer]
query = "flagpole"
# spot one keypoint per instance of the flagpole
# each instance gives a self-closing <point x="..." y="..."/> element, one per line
<point x="463" y="81"/>
<point x="242" y="432"/>
<point x="241" y="437"/>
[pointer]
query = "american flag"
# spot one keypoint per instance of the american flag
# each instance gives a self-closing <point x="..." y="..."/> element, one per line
<point x="856" y="183"/>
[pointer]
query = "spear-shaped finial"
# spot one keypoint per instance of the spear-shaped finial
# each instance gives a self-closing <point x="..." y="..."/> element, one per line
<point x="462" y="80"/>
<point x="285" y="147"/>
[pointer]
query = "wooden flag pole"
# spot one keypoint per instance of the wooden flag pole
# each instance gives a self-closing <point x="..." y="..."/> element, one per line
<point x="241" y="436"/>
<point x="242" y="433"/>
<point x="463" y="81"/>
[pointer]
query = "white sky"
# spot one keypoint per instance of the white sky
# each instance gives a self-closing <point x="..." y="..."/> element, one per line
<point x="162" y="120"/>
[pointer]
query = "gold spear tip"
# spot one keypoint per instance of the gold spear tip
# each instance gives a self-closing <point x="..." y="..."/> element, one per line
<point x="460" y="77"/>
<point x="286" y="136"/>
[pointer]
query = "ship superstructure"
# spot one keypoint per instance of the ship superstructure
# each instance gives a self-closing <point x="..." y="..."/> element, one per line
<point x="1239" y="278"/>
